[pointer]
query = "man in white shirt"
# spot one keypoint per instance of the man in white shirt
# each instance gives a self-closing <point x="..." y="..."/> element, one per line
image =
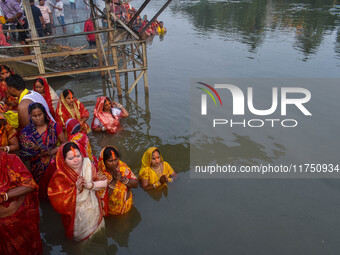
<point x="59" y="13"/>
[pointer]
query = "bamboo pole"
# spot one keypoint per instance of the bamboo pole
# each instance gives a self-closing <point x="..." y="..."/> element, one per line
<point x="49" y="55"/>
<point x="156" y="16"/>
<point x="126" y="75"/>
<point x="68" y="35"/>
<point x="37" y="52"/>
<point x="135" y="82"/>
<point x="146" y="84"/>
<point x="130" y="70"/>
<point x="127" y="28"/>
<point x="125" y="42"/>
<point x="98" y="39"/>
<point x="133" y="63"/>
<point x="63" y="73"/>
<point x="138" y="12"/>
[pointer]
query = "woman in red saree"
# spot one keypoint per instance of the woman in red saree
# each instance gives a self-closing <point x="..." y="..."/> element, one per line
<point x="117" y="197"/>
<point x="19" y="208"/>
<point x="8" y="136"/>
<point x="39" y="144"/>
<point x="106" y="116"/>
<point x="41" y="86"/>
<point x="74" y="134"/>
<point x="73" y="192"/>
<point x="70" y="107"/>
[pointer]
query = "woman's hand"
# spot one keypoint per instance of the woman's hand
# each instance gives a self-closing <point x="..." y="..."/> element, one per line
<point x="163" y="179"/>
<point x="43" y="153"/>
<point x="80" y="183"/>
<point x="89" y="185"/>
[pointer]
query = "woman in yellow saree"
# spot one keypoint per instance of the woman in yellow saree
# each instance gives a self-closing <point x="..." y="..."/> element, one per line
<point x="155" y="172"/>
<point x="117" y="197"/>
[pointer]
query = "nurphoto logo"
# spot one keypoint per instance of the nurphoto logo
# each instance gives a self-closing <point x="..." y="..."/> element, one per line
<point x="284" y="96"/>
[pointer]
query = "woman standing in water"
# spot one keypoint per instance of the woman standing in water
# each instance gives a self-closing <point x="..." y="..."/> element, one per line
<point x="73" y="192"/>
<point x="117" y="196"/>
<point x="70" y="107"/>
<point x="155" y="173"/>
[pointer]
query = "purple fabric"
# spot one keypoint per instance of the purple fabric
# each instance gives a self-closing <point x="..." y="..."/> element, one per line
<point x="10" y="8"/>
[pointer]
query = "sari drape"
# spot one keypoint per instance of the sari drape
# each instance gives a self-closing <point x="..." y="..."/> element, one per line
<point x="64" y="113"/>
<point x="32" y="144"/>
<point x="81" y="140"/>
<point x="81" y="211"/>
<point x="120" y="201"/>
<point x="19" y="232"/>
<point x="6" y="133"/>
<point x="147" y="173"/>
<point x="50" y="96"/>
<point x="110" y="122"/>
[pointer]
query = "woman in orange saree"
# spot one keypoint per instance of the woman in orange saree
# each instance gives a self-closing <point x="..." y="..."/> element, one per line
<point x="74" y="134"/>
<point x="73" y="192"/>
<point x="106" y="116"/>
<point x="155" y="172"/>
<point x="19" y="208"/>
<point x="70" y="107"/>
<point x="8" y="139"/>
<point x="117" y="197"/>
<point x="41" y="86"/>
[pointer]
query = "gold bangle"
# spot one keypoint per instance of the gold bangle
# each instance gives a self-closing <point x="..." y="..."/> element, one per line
<point x="93" y="186"/>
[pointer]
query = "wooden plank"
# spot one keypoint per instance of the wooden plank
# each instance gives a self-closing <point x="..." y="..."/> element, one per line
<point x="135" y="82"/>
<point x="126" y="42"/>
<point x="145" y="62"/>
<point x="13" y="59"/>
<point x="68" y="35"/>
<point x="156" y="16"/>
<point x="37" y="52"/>
<point x="63" y="73"/>
<point x="126" y="27"/>
<point x="130" y="70"/>
<point x="138" y="12"/>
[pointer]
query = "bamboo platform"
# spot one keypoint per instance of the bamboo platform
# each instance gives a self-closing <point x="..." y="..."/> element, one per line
<point x="123" y="46"/>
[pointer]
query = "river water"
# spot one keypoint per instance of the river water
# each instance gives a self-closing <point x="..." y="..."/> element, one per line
<point x="249" y="39"/>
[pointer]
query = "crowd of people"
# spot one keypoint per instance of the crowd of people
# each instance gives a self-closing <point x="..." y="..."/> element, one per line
<point x="49" y="133"/>
<point x="43" y="11"/>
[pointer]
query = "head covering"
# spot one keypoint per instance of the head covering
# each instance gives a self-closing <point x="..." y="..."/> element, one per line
<point x="74" y="134"/>
<point x="64" y="112"/>
<point x="147" y="157"/>
<point x="71" y="126"/>
<point x="110" y="122"/>
<point x="47" y="95"/>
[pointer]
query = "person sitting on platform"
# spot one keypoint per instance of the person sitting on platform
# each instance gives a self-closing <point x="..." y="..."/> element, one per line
<point x="106" y="116"/>
<point x="17" y="87"/>
<point x="70" y="107"/>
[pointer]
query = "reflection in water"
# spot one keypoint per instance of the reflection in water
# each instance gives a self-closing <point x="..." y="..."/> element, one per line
<point x="245" y="152"/>
<point x="119" y="227"/>
<point x="250" y="22"/>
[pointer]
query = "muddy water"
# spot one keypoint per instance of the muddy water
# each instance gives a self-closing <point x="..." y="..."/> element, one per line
<point x="259" y="38"/>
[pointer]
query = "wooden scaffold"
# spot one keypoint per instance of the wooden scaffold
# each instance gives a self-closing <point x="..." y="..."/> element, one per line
<point x="124" y="52"/>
